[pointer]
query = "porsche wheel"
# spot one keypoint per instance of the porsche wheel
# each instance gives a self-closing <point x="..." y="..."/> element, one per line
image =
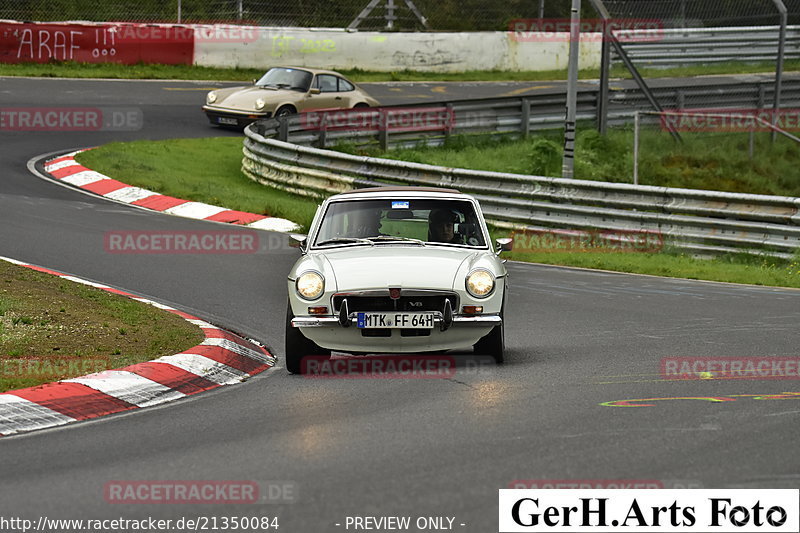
<point x="297" y="346"/>
<point x="285" y="111"/>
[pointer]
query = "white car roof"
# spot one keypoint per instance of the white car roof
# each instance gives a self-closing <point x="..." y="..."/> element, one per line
<point x="404" y="192"/>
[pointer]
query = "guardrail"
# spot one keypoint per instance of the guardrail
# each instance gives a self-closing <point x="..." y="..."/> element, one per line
<point x="702" y="222"/>
<point x="432" y="123"/>
<point x="685" y="46"/>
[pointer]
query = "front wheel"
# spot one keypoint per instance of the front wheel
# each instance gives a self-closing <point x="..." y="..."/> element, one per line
<point x="299" y="347"/>
<point x="285" y="111"/>
<point x="493" y="344"/>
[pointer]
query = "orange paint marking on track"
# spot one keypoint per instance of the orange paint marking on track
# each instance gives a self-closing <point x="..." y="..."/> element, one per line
<point x="716" y="399"/>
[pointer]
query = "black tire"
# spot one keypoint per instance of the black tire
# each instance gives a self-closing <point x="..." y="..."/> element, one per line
<point x="361" y="105"/>
<point x="493" y="344"/>
<point x="297" y="346"/>
<point x="285" y="111"/>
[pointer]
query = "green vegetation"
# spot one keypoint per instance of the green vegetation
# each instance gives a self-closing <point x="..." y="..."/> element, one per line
<point x="52" y="328"/>
<point x="703" y="161"/>
<point x="171" y="164"/>
<point x="743" y="268"/>
<point x="204" y="170"/>
<point x="70" y="69"/>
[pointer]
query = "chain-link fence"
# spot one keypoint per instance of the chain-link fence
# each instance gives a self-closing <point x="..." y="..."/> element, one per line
<point x="704" y="13"/>
<point x="711" y="118"/>
<point x="713" y="141"/>
<point x="461" y="15"/>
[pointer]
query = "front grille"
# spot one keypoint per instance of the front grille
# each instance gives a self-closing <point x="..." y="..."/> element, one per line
<point x="404" y="303"/>
<point x="377" y="332"/>
<point x="415" y="333"/>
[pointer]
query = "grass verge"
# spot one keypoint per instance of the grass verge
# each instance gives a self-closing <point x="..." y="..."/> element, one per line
<point x="751" y="270"/>
<point x="69" y="69"/>
<point x="52" y="328"/>
<point x="702" y="161"/>
<point x="177" y="160"/>
<point x="203" y="170"/>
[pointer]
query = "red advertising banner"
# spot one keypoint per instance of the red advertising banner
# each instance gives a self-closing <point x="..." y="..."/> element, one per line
<point x="126" y="43"/>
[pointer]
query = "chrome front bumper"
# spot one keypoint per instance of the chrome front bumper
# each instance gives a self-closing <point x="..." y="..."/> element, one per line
<point x="458" y="321"/>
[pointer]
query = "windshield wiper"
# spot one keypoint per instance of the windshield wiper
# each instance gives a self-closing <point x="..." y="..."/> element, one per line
<point x="391" y="238"/>
<point x="344" y="240"/>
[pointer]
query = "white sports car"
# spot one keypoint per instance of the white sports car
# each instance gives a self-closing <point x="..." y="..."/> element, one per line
<point x="396" y="270"/>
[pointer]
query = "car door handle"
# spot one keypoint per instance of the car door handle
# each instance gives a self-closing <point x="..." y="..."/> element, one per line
<point x="338" y="98"/>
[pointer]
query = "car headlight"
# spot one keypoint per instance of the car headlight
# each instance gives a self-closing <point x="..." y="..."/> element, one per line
<point x="211" y="97"/>
<point x="310" y="285"/>
<point x="260" y="104"/>
<point x="480" y="283"/>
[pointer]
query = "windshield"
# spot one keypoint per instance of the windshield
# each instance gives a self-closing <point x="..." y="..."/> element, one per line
<point x="286" y="78"/>
<point x="452" y="222"/>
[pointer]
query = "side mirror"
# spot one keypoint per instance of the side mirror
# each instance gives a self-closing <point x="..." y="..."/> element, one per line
<point x="301" y="240"/>
<point x="504" y="245"/>
<point x="314" y="91"/>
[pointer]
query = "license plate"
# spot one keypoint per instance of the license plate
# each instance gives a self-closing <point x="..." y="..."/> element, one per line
<point x="226" y="120"/>
<point x="395" y="320"/>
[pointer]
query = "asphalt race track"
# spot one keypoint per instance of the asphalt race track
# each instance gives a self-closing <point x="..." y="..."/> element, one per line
<point x="377" y="447"/>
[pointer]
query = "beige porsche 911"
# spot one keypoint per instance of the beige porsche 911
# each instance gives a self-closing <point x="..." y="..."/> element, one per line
<point x="283" y="91"/>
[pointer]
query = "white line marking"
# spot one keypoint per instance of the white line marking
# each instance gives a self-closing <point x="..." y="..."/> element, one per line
<point x="50" y="167"/>
<point x="18" y="414"/>
<point x="239" y="349"/>
<point x="130" y="387"/>
<point x="204" y="367"/>
<point x="130" y="194"/>
<point x="197" y="210"/>
<point x="79" y="179"/>
<point x="274" y="224"/>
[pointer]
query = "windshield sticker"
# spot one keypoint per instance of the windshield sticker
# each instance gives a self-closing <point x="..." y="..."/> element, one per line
<point x="398" y="204"/>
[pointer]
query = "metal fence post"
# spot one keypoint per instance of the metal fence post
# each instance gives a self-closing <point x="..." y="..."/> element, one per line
<point x="283" y="129"/>
<point x="680" y="99"/>
<point x="602" y="94"/>
<point x="449" y="122"/>
<point x="568" y="163"/>
<point x="383" y="130"/>
<point x="525" y="120"/>
<point x="636" y="148"/>
<point x="322" y="136"/>
<point x="779" y="68"/>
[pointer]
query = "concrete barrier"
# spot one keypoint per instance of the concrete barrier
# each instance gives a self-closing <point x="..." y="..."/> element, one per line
<point x="386" y="52"/>
<point x="94" y="42"/>
<point x="225" y="45"/>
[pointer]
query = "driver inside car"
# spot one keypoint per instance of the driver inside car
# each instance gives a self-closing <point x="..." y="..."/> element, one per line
<point x="441" y="226"/>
